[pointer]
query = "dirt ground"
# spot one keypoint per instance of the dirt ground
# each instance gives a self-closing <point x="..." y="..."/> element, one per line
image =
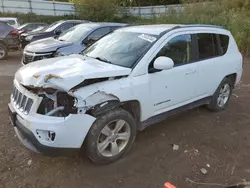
<point x="219" y="140"/>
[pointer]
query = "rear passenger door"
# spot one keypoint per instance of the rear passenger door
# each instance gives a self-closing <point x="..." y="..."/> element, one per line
<point x="208" y="61"/>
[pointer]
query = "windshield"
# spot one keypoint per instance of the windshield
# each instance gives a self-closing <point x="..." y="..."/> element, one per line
<point x="74" y="34"/>
<point x="51" y="27"/>
<point x="22" y="26"/>
<point x="120" y="48"/>
<point x="38" y="29"/>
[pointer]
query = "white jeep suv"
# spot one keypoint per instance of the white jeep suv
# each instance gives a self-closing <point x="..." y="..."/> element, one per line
<point x="126" y="81"/>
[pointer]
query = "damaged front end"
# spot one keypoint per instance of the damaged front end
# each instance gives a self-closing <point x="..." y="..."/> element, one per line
<point x="58" y="103"/>
<point x="58" y="81"/>
<point x="54" y="103"/>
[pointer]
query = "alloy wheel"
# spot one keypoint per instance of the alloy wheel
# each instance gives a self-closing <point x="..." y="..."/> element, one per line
<point x="113" y="138"/>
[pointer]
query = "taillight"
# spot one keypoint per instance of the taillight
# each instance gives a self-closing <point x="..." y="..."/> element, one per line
<point x="14" y="32"/>
<point x="20" y="32"/>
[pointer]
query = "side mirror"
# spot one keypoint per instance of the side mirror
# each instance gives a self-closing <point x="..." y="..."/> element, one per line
<point x="163" y="63"/>
<point x="58" y="32"/>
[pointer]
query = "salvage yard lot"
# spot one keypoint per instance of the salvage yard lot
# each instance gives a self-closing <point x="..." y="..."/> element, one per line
<point x="221" y="140"/>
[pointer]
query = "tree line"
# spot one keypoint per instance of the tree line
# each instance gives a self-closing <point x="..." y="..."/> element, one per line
<point x="138" y="2"/>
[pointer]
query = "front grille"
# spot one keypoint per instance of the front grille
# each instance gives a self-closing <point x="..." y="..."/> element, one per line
<point x="28" y="58"/>
<point x="21" y="101"/>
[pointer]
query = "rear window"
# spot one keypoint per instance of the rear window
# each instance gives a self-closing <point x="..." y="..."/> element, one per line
<point x="11" y="22"/>
<point x="224" y="40"/>
<point x="207" y="45"/>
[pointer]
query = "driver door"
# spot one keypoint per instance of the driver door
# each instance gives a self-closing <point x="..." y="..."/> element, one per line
<point x="174" y="87"/>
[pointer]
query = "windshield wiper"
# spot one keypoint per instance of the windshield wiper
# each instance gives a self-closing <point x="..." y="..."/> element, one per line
<point x="103" y="59"/>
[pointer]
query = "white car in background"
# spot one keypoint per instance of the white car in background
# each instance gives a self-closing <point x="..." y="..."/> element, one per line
<point x="124" y="82"/>
<point x="11" y="21"/>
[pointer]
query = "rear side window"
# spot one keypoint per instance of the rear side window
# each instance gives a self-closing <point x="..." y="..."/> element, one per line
<point x="207" y="46"/>
<point x="11" y="22"/>
<point x="224" y="40"/>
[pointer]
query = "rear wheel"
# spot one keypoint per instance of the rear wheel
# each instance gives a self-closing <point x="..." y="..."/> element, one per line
<point x="111" y="136"/>
<point x="3" y="52"/>
<point x="222" y="95"/>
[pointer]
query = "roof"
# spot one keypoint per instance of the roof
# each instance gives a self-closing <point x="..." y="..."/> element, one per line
<point x="101" y="24"/>
<point x="34" y="23"/>
<point x="162" y="28"/>
<point x="74" y="21"/>
<point x="4" y="18"/>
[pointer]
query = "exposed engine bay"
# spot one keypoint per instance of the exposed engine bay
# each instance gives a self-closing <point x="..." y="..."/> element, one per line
<point x="54" y="102"/>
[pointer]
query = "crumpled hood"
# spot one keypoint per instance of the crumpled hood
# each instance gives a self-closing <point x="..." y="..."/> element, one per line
<point x="46" y="45"/>
<point x="66" y="72"/>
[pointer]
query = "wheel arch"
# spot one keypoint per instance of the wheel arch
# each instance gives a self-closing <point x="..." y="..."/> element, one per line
<point x="131" y="106"/>
<point x="134" y="108"/>
<point x="232" y="77"/>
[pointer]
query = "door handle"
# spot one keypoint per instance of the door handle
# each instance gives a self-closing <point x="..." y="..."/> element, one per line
<point x="190" y="72"/>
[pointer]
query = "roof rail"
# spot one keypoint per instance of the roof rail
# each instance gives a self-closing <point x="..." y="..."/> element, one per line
<point x="202" y="25"/>
<point x="190" y="25"/>
<point x="166" y="31"/>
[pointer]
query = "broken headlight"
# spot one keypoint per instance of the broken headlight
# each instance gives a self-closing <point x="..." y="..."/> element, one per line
<point x="68" y="102"/>
<point x="61" y="105"/>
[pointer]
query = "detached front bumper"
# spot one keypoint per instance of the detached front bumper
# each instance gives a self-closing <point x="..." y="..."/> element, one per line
<point x="48" y="135"/>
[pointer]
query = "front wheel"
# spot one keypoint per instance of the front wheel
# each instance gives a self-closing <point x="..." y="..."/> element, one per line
<point x="222" y="95"/>
<point x="111" y="136"/>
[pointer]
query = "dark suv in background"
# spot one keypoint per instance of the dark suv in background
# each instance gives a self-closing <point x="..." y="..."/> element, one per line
<point x="52" y="30"/>
<point x="8" y="40"/>
<point x="28" y="27"/>
<point x="72" y="41"/>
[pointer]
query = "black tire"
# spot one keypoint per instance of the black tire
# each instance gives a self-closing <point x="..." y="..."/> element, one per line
<point x="214" y="106"/>
<point x="5" y="50"/>
<point x="92" y="138"/>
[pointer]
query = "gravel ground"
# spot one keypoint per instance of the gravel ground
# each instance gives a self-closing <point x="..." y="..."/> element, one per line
<point x="218" y="142"/>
